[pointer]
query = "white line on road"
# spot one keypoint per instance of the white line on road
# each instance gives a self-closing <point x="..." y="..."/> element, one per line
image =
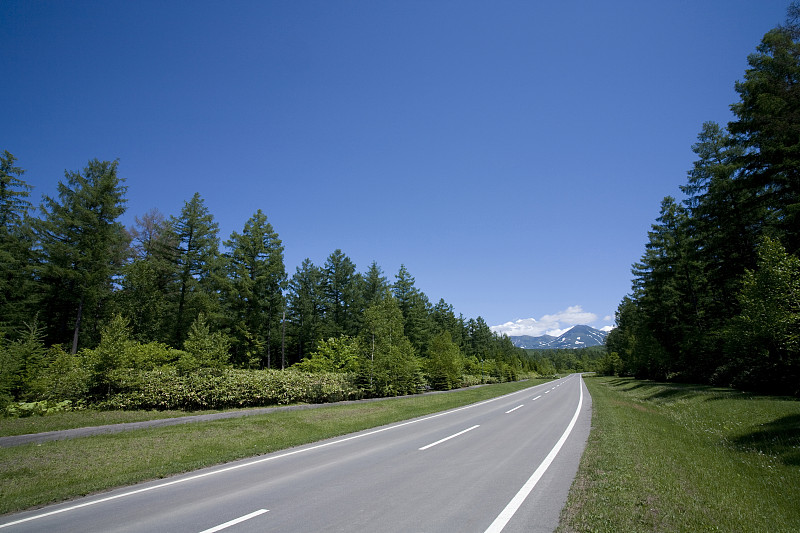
<point x="251" y="463"/>
<point x="431" y="445"/>
<point x="515" y="503"/>
<point x="534" y="399"/>
<point x="514" y="409"/>
<point x="547" y="392"/>
<point x="235" y="521"/>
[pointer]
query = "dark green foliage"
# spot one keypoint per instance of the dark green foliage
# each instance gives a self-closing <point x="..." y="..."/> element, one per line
<point x="148" y="288"/>
<point x="305" y="305"/>
<point x="17" y="294"/>
<point x="341" y="296"/>
<point x="197" y="265"/>
<point x="715" y="295"/>
<point x="376" y="286"/>
<point x="82" y="249"/>
<point x="253" y="294"/>
<point x="122" y="309"/>
<point x="768" y="128"/>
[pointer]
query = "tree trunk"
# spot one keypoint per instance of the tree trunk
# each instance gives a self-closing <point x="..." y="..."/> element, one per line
<point x="77" y="328"/>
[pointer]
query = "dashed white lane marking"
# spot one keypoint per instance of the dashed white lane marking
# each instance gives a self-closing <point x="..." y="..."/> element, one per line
<point x="235" y="521"/>
<point x="431" y="445"/>
<point x="514" y="409"/>
<point x="516" y="502"/>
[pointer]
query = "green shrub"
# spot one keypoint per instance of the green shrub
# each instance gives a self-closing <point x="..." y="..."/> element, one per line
<point x="40" y="408"/>
<point x="336" y="354"/>
<point x="67" y="377"/>
<point x="168" y="388"/>
<point x="203" y="348"/>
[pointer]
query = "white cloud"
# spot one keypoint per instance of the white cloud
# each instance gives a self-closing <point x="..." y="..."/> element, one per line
<point x="606" y="328"/>
<point x="554" y="324"/>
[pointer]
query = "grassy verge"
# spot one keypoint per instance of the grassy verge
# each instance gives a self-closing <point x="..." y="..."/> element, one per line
<point x="34" y="475"/>
<point x="670" y="457"/>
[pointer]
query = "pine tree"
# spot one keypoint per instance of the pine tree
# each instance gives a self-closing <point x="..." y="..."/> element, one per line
<point x="768" y="128"/>
<point x="305" y="308"/>
<point x="83" y="246"/>
<point x="197" y="265"/>
<point x="376" y="286"/>
<point x="415" y="307"/>
<point x="254" y="292"/>
<point x="16" y="247"/>
<point x="342" y="302"/>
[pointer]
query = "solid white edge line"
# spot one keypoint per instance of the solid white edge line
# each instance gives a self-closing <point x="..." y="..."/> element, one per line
<point x="515" y="503"/>
<point x="235" y="521"/>
<point x="514" y="409"/>
<point x="257" y="461"/>
<point x="431" y="445"/>
<point x="251" y="463"/>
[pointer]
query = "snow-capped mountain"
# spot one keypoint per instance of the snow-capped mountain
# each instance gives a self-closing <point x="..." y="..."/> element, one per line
<point x="575" y="337"/>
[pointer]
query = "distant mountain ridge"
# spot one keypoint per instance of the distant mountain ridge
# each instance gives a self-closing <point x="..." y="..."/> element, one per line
<point x="576" y="337"/>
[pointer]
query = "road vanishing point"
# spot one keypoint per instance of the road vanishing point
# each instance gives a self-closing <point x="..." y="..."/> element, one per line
<point x="504" y="464"/>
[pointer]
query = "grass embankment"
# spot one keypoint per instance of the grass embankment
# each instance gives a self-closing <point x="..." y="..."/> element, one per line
<point x="671" y="457"/>
<point x="33" y="475"/>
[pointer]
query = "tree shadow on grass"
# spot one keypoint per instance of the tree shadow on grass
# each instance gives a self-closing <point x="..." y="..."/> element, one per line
<point x="780" y="438"/>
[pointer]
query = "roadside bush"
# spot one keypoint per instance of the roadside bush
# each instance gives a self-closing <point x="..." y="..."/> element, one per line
<point x="336" y="354"/>
<point x="41" y="408"/>
<point x="444" y="364"/>
<point x="167" y="388"/>
<point x="66" y="377"/>
<point x="203" y="348"/>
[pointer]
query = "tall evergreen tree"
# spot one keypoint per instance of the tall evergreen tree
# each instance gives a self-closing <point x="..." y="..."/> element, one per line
<point x="14" y="193"/>
<point x="375" y="286"/>
<point x="197" y="265"/>
<point x="254" y="292"/>
<point x="724" y="221"/>
<point x="305" y="308"/>
<point x="665" y="287"/>
<point x="768" y="127"/>
<point x="416" y="309"/>
<point x="83" y="246"/>
<point x="16" y="246"/>
<point x="444" y="319"/>
<point x="341" y="288"/>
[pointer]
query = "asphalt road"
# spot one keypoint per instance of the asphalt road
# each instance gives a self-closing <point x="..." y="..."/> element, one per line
<point x="505" y="464"/>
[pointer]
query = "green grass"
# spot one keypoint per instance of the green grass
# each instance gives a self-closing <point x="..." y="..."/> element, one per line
<point x="671" y="457"/>
<point x="34" y="475"/>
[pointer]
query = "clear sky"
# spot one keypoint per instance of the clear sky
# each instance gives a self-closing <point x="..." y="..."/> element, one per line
<point x="511" y="154"/>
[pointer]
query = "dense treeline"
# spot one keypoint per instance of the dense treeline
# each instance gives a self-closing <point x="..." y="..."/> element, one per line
<point x="91" y="310"/>
<point x="548" y="362"/>
<point x="716" y="295"/>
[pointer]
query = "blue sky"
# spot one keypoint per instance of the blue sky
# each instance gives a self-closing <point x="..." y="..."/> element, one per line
<point x="511" y="154"/>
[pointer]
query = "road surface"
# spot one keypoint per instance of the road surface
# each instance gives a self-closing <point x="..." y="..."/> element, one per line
<point x="505" y="464"/>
